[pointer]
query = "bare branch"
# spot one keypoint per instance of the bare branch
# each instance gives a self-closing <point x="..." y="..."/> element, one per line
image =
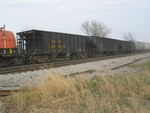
<point x="129" y="36"/>
<point x="95" y="28"/>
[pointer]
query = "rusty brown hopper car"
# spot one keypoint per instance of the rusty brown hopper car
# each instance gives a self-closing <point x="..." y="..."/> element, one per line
<point x="8" y="48"/>
<point x="7" y="40"/>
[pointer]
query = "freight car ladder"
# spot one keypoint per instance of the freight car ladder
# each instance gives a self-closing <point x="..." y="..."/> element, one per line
<point x="21" y="46"/>
<point x="21" y="43"/>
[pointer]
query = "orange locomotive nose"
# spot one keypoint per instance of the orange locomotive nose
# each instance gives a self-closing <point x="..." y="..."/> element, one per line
<point x="7" y="40"/>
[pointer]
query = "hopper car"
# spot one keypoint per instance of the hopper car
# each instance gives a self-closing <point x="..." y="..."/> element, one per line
<point x="8" y="47"/>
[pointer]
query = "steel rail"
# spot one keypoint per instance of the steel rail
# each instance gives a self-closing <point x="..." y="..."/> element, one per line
<point x="7" y="92"/>
<point x="129" y="63"/>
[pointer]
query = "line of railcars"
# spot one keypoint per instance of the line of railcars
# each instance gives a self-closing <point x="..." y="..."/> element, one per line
<point x="38" y="46"/>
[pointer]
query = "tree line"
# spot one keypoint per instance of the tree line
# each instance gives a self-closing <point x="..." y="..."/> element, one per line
<point x="99" y="29"/>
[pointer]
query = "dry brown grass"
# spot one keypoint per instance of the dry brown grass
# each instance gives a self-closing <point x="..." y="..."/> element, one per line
<point x="106" y="94"/>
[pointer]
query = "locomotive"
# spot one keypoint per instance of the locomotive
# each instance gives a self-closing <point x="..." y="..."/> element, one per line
<point x="39" y="46"/>
<point x="8" y="47"/>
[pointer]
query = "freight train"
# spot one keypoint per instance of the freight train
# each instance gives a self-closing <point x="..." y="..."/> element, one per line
<point x="39" y="46"/>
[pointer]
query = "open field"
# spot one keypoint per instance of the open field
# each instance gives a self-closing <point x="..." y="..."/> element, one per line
<point x="104" y="94"/>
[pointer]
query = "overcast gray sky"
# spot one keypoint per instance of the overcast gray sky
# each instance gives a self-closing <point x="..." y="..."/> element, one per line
<point x="67" y="15"/>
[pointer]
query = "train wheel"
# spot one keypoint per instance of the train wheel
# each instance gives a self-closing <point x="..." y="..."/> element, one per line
<point x="5" y="62"/>
<point x="34" y="59"/>
<point x="42" y="58"/>
<point x="38" y="59"/>
<point x="12" y="61"/>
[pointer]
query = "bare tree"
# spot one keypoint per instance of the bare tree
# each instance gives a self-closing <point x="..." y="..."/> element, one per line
<point x="95" y="28"/>
<point x="129" y="36"/>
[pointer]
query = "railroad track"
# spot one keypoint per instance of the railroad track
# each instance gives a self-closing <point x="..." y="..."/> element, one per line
<point x="130" y="63"/>
<point x="13" y="89"/>
<point x="32" y="67"/>
<point x="7" y="92"/>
